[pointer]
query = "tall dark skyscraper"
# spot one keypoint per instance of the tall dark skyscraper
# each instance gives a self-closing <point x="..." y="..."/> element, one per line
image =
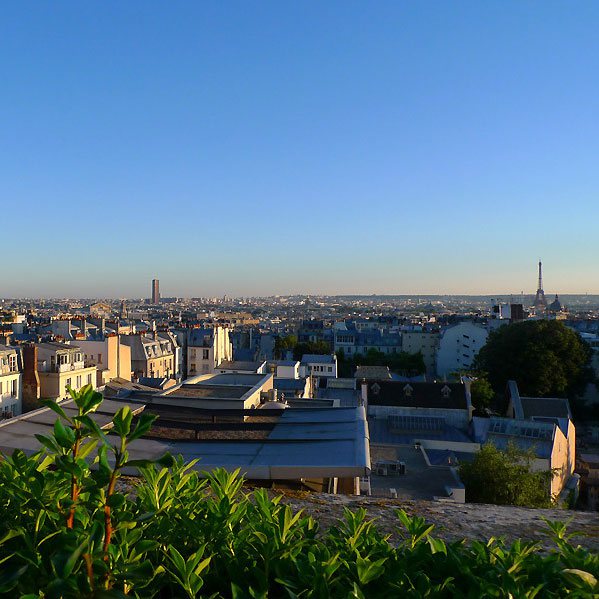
<point x="155" y="291"/>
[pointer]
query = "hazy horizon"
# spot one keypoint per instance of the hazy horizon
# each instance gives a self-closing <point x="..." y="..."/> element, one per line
<point x="273" y="148"/>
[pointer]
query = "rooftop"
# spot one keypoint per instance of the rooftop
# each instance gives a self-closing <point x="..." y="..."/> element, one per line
<point x="318" y="359"/>
<point x="418" y="395"/>
<point x="240" y="365"/>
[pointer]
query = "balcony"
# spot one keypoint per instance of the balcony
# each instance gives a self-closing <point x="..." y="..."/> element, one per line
<point x="4" y="370"/>
<point x="59" y="368"/>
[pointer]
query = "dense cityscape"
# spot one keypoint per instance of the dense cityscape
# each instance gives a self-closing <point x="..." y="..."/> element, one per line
<point x="406" y="366"/>
<point x="299" y="300"/>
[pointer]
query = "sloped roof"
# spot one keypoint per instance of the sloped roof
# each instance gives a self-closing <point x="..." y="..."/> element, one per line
<point x="545" y="406"/>
<point x="418" y="395"/>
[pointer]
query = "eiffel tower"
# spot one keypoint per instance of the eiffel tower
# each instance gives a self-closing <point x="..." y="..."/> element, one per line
<point x="540" y="302"/>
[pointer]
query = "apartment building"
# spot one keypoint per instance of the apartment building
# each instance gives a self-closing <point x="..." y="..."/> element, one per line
<point x="458" y="347"/>
<point x="151" y="356"/>
<point x="61" y="365"/>
<point x="207" y="349"/>
<point x="11" y="382"/>
<point x="424" y="342"/>
<point x="111" y="358"/>
<point x="320" y="366"/>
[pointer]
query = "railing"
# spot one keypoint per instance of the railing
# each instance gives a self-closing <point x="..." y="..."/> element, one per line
<point x="8" y="370"/>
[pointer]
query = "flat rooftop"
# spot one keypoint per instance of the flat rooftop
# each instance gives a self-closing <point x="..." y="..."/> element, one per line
<point x="420" y="480"/>
<point x="19" y="432"/>
<point x="303" y="443"/>
<point x="200" y="391"/>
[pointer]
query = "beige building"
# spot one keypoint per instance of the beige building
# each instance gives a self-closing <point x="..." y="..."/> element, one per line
<point x="207" y="349"/>
<point x="11" y="382"/>
<point x="111" y="358"/>
<point x="151" y="356"/>
<point x="424" y="342"/>
<point x="61" y="365"/>
<point x="100" y="310"/>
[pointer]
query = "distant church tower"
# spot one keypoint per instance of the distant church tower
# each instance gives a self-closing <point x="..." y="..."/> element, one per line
<point x="540" y="302"/>
<point x="123" y="309"/>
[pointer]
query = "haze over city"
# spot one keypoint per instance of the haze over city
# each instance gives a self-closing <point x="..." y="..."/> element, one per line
<point x="279" y="148"/>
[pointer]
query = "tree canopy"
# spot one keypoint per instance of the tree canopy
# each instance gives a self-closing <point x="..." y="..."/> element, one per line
<point x="399" y="362"/>
<point x="505" y="478"/>
<point x="544" y="357"/>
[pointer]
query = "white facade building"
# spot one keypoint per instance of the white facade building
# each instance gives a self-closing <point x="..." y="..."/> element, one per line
<point x="458" y="347"/>
<point x="207" y="349"/>
<point x="11" y="382"/>
<point x="316" y="365"/>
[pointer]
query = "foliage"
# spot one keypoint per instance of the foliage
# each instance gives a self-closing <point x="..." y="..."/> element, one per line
<point x="544" y="357"/>
<point x="319" y="348"/>
<point x="290" y="342"/>
<point x="402" y="363"/>
<point x="283" y="344"/>
<point x="68" y="531"/>
<point x="505" y="478"/>
<point x="482" y="392"/>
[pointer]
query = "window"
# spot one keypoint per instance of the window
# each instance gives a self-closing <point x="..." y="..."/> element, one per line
<point x="13" y="388"/>
<point x="89" y="379"/>
<point x="99" y="358"/>
<point x="79" y="382"/>
<point x="206" y="354"/>
<point x="12" y="363"/>
<point x="0" y="387"/>
<point x="68" y="383"/>
<point x="330" y="369"/>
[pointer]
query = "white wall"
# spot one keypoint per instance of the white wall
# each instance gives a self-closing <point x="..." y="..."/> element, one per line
<point x="458" y="347"/>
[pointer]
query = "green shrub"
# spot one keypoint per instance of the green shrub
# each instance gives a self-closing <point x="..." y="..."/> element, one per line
<point x="68" y="531"/>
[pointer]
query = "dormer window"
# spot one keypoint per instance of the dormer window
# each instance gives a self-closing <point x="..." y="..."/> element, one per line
<point x="376" y="388"/>
<point x="445" y="391"/>
<point x="407" y="390"/>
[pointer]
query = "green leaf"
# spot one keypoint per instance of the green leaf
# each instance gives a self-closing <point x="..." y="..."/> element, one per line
<point x="116" y="500"/>
<point x="9" y="578"/>
<point x="50" y="403"/>
<point x="86" y="449"/>
<point x="122" y="421"/>
<point x="143" y="425"/>
<point x="64" y="436"/>
<point x="48" y="443"/>
<point x="574" y="574"/>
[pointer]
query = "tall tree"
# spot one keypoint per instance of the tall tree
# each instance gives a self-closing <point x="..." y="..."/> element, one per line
<point x="544" y="357"/>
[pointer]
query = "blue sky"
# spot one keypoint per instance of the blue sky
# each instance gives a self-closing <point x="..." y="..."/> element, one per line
<point x="253" y="148"/>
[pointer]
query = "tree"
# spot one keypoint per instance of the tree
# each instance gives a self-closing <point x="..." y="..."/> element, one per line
<point x="283" y="344"/>
<point x="321" y="348"/>
<point x="505" y="478"/>
<point x="402" y="363"/>
<point x="482" y="393"/>
<point x="544" y="357"/>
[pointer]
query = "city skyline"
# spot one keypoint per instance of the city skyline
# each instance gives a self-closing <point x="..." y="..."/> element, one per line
<point x="277" y="149"/>
<point x="462" y="291"/>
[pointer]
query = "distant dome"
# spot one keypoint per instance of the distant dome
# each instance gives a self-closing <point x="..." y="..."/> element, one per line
<point x="555" y="305"/>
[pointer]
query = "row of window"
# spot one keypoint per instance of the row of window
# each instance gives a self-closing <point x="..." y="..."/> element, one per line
<point x="79" y="381"/>
<point x="11" y="362"/>
<point x="9" y="387"/>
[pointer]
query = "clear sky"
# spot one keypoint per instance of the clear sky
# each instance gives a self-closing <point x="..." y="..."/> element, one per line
<point x="254" y="147"/>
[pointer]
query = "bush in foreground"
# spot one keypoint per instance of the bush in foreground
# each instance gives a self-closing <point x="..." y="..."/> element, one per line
<point x="67" y="531"/>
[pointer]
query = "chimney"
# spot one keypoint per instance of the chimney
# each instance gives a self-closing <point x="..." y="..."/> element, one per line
<point x="31" y="378"/>
<point x="364" y="393"/>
